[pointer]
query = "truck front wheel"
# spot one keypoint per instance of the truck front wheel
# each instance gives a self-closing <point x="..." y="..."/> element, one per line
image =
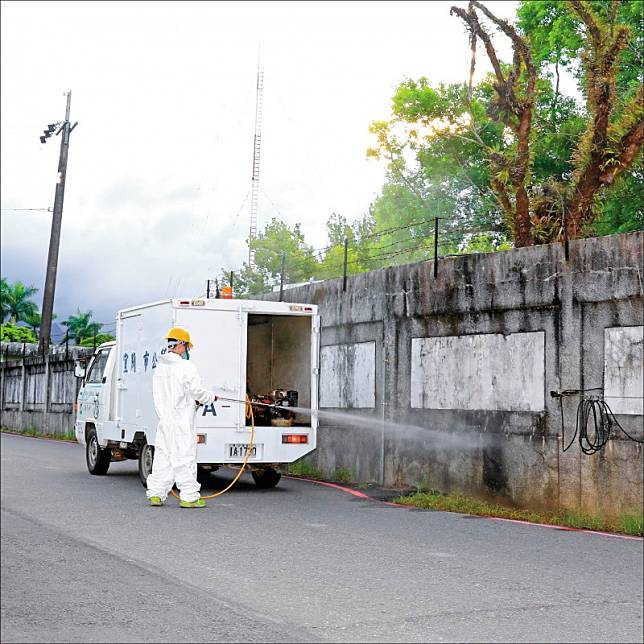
<point x="146" y="458"/>
<point x="98" y="460"/>
<point x="266" y="477"/>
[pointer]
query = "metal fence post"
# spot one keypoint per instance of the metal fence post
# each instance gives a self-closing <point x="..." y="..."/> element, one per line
<point x="346" y="256"/>
<point x="435" y="247"/>
<point x="282" y="277"/>
<point x="23" y="382"/>
<point x="564" y="227"/>
<point x="3" y="366"/>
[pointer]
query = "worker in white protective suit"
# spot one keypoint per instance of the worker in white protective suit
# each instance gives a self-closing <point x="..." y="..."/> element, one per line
<point x="176" y="387"/>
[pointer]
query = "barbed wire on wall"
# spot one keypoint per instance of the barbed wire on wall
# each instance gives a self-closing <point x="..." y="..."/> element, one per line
<point x="432" y="243"/>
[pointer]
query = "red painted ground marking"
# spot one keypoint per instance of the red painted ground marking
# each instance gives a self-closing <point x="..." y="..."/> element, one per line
<point x="628" y="537"/>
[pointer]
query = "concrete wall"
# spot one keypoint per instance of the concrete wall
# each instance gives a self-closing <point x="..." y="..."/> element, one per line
<point x="473" y="356"/>
<point x="37" y="392"/>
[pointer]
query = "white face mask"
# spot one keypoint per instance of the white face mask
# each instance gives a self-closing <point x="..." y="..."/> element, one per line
<point x="186" y="354"/>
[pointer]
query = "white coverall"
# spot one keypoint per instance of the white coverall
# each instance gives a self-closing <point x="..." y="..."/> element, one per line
<point x="176" y="386"/>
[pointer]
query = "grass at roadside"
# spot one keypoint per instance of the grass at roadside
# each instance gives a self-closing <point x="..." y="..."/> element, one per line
<point x="629" y="523"/>
<point x="32" y="431"/>
<point x="307" y="471"/>
<point x="302" y="468"/>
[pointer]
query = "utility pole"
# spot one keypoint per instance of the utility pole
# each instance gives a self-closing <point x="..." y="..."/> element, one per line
<point x="54" y="239"/>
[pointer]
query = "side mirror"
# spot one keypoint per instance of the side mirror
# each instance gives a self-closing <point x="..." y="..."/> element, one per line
<point x="79" y="369"/>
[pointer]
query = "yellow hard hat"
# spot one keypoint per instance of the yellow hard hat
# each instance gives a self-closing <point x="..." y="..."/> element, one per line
<point x="177" y="333"/>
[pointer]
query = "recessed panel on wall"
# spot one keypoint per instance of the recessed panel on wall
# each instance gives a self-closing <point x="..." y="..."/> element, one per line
<point x="484" y="371"/>
<point x="348" y="375"/>
<point x="623" y="364"/>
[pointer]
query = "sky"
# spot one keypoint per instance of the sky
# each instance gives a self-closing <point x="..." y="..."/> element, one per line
<point x="159" y="172"/>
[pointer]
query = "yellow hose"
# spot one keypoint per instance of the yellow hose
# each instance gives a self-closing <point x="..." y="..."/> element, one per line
<point x="249" y="414"/>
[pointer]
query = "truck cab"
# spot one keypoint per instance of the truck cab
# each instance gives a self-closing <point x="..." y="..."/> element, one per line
<point x="95" y="407"/>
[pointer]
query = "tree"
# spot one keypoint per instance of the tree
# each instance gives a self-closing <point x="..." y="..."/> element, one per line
<point x="512" y="156"/>
<point x="277" y="241"/>
<point x="81" y="327"/>
<point x="11" y="333"/>
<point x="4" y="302"/>
<point x="557" y="44"/>
<point x="34" y="320"/>
<point x="332" y="262"/>
<point x="247" y="281"/>
<point x="15" y="303"/>
<point x="95" y="341"/>
<point x="609" y="145"/>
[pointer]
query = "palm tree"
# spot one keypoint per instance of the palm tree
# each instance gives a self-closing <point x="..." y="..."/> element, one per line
<point x="15" y="302"/>
<point x="4" y="305"/>
<point x="80" y="326"/>
<point x="34" y="320"/>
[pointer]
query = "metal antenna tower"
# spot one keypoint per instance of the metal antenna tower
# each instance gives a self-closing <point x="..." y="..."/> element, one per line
<point x="255" y="181"/>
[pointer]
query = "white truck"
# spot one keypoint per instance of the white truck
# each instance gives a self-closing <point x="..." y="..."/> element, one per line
<point x="266" y="350"/>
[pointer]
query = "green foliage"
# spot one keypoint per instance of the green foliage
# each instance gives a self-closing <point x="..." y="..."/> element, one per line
<point x="11" y="333"/>
<point x="457" y="156"/>
<point x="630" y="523"/>
<point x="623" y="206"/>
<point x="304" y="469"/>
<point x="278" y="240"/>
<point x="342" y="475"/>
<point x="558" y="42"/>
<point x="14" y="300"/>
<point x="556" y="36"/>
<point x="4" y="301"/>
<point x="34" y="320"/>
<point x="486" y="243"/>
<point x="69" y="435"/>
<point x="436" y="169"/>
<point x="331" y="264"/>
<point x="94" y="342"/>
<point x="80" y="326"/>
<point x="246" y="283"/>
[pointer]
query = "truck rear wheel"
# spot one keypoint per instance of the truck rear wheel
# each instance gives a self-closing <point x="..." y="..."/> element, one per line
<point x="146" y="458"/>
<point x="98" y="459"/>
<point x="266" y="477"/>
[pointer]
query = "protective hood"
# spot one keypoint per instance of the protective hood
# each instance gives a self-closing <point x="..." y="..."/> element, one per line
<point x="169" y="358"/>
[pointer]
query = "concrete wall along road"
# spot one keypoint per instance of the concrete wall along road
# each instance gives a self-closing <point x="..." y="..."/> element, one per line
<point x="450" y="378"/>
<point x="36" y="392"/>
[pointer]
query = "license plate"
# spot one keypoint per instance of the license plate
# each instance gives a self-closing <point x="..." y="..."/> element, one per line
<point x="240" y="450"/>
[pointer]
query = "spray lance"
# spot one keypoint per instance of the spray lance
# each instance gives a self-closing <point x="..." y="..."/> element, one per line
<point x="244" y="402"/>
<point x="254" y="402"/>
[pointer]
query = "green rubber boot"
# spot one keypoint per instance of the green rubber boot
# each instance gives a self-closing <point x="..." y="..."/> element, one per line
<point x="199" y="503"/>
<point x="156" y="501"/>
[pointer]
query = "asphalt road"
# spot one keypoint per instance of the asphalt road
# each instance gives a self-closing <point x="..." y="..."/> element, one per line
<point x="85" y="559"/>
